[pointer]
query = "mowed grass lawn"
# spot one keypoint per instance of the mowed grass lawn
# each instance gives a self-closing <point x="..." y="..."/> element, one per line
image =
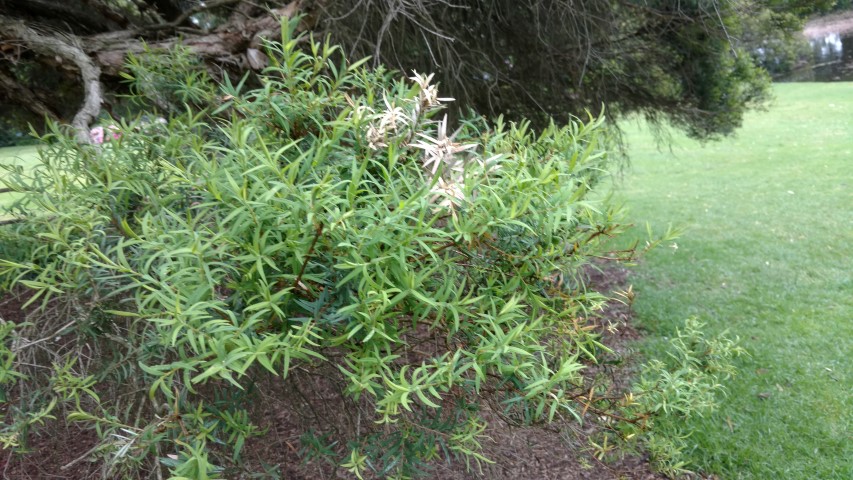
<point x="768" y="256"/>
<point x="24" y="156"/>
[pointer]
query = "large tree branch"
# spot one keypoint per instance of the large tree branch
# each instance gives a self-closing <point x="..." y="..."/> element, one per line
<point x="65" y="46"/>
<point x="25" y="97"/>
<point x="73" y="12"/>
<point x="230" y="43"/>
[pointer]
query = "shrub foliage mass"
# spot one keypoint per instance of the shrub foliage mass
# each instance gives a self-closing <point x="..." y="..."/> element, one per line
<point x="327" y="228"/>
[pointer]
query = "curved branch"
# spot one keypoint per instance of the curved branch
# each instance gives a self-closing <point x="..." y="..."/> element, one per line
<point x="105" y="53"/>
<point x="230" y="42"/>
<point x="67" y="47"/>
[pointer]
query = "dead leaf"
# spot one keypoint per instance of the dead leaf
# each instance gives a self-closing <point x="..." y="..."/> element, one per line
<point x="257" y="60"/>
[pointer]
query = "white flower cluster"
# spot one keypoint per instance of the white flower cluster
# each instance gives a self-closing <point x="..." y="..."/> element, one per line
<point x="440" y="153"/>
<point x="392" y="121"/>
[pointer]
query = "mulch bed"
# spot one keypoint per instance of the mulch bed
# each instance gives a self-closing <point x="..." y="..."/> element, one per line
<point x="556" y="451"/>
<point x="58" y="444"/>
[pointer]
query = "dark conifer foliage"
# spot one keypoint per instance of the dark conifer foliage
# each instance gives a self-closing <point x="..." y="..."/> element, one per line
<point x="688" y="62"/>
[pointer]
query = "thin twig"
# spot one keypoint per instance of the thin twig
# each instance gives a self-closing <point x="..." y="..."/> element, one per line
<point x="297" y="284"/>
<point x="11" y="221"/>
<point x="54" y="335"/>
<point x="80" y="458"/>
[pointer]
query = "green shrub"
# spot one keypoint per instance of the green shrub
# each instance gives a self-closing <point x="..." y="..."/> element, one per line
<point x="688" y="382"/>
<point x="327" y="225"/>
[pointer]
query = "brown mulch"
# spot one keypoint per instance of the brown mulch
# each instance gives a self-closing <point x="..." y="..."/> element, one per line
<point x="557" y="451"/>
<point x="48" y="452"/>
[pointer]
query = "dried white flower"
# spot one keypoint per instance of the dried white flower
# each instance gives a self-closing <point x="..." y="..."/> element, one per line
<point x="395" y="119"/>
<point x="447" y="194"/>
<point x="376" y="137"/>
<point x="358" y="112"/>
<point x="442" y="150"/>
<point x="428" y="96"/>
<point x="392" y="116"/>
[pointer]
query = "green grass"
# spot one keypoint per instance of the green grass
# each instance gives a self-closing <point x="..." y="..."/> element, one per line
<point x="768" y="255"/>
<point x="24" y="156"/>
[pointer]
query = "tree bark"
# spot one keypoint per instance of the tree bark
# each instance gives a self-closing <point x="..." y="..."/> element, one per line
<point x="72" y="11"/>
<point x="229" y="43"/>
<point x="25" y="97"/>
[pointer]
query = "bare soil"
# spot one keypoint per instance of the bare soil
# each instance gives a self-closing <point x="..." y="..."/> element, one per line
<point x="558" y="451"/>
<point x="59" y="449"/>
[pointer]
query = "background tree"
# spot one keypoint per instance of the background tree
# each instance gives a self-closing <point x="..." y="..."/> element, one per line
<point x="550" y="58"/>
<point x="687" y="62"/>
<point x="772" y="34"/>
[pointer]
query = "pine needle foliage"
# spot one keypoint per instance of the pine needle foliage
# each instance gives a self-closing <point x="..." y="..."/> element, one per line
<point x="325" y="223"/>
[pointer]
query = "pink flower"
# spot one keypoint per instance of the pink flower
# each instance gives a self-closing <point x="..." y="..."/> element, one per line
<point x="116" y="134"/>
<point x="97" y="135"/>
